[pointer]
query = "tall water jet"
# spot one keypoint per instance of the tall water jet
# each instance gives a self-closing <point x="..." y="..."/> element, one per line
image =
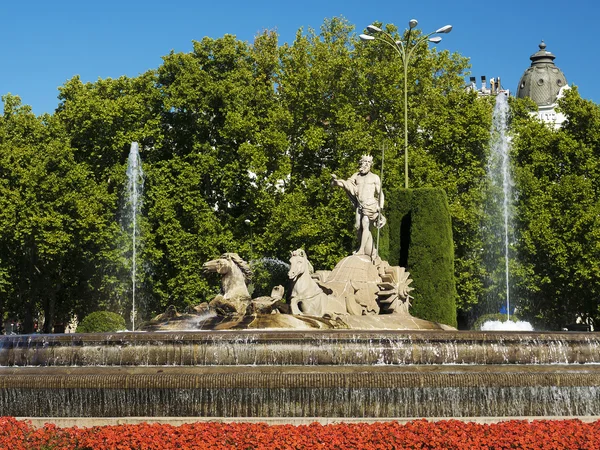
<point x="135" y="188"/>
<point x="500" y="202"/>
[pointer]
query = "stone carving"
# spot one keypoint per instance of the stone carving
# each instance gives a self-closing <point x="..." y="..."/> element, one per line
<point x="394" y="288"/>
<point x="273" y="304"/>
<point x="369" y="289"/>
<point x="356" y="286"/>
<point x="361" y="292"/>
<point x="234" y="271"/>
<point x="307" y="297"/>
<point x="364" y="190"/>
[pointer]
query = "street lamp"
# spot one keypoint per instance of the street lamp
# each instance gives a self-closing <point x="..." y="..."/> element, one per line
<point x="405" y="50"/>
<point x="249" y="223"/>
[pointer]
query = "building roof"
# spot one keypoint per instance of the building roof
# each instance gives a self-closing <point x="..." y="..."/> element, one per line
<point x="542" y="81"/>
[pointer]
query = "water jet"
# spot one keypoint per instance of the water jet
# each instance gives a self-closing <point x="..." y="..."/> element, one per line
<point x="133" y="203"/>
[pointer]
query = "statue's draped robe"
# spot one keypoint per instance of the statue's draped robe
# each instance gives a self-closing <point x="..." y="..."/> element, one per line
<point x="371" y="210"/>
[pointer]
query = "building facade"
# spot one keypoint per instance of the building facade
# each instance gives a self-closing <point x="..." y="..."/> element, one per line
<point x="544" y="83"/>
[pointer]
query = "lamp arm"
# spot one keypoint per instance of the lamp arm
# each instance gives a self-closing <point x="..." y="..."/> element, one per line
<point x="399" y="48"/>
<point x="419" y="41"/>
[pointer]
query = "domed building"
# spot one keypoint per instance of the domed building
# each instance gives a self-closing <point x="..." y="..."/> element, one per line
<point x="544" y="83"/>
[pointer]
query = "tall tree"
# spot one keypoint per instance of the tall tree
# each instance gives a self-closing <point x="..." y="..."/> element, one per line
<point x="558" y="177"/>
<point x="233" y="133"/>
<point x="54" y="230"/>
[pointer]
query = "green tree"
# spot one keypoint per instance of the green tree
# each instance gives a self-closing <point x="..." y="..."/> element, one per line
<point x="558" y="174"/>
<point x="186" y="232"/>
<point x="222" y="126"/>
<point x="54" y="230"/>
<point x="233" y="132"/>
<point x="102" y="118"/>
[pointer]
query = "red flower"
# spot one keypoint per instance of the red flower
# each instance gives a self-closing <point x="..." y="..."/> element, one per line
<point x="418" y="434"/>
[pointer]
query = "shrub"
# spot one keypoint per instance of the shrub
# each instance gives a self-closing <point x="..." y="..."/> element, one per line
<point x="420" y="239"/>
<point x="101" y="322"/>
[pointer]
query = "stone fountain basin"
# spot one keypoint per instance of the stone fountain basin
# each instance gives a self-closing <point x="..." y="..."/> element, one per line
<point x="293" y="373"/>
<point x="300" y="391"/>
<point x="289" y="347"/>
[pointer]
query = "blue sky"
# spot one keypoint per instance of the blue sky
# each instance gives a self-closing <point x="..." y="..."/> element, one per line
<point x="45" y="43"/>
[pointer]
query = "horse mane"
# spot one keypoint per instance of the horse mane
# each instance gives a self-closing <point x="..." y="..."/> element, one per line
<point x="243" y="265"/>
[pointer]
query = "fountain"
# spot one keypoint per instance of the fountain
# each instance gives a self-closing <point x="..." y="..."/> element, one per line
<point x="499" y="209"/>
<point x="248" y="357"/>
<point x="133" y="200"/>
<point x="301" y="374"/>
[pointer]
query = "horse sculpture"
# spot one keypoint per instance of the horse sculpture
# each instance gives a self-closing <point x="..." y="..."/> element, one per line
<point x="307" y="297"/>
<point x="235" y="272"/>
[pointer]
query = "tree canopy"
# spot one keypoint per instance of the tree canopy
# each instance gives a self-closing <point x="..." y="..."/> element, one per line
<point x="239" y="141"/>
<point x="558" y="244"/>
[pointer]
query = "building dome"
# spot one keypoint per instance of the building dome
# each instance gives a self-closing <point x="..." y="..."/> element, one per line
<point x="542" y="81"/>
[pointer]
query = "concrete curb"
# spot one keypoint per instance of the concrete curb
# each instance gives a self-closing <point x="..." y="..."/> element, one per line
<point x="86" y="422"/>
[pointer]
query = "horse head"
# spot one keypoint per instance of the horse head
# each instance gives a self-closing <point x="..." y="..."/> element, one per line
<point x="299" y="264"/>
<point x="226" y="263"/>
<point x="221" y="265"/>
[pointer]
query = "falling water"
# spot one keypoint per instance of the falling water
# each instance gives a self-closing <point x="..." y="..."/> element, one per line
<point x="501" y="186"/>
<point x="300" y="373"/>
<point x="135" y="188"/>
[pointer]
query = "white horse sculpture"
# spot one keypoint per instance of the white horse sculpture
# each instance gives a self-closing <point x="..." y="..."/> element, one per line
<point x="307" y="297"/>
<point x="234" y="272"/>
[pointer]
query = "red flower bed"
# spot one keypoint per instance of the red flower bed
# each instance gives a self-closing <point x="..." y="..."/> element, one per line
<point x="419" y="434"/>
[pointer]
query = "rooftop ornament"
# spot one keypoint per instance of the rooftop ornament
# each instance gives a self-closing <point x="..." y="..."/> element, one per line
<point x="405" y="49"/>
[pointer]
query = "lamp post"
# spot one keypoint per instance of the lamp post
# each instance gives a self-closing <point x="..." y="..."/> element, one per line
<point x="405" y="50"/>
<point x="249" y="223"/>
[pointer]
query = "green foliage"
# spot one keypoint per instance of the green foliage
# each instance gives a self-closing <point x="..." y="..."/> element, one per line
<point x="186" y="232"/>
<point x="55" y="229"/>
<point x="558" y="246"/>
<point x="421" y="240"/>
<point x="101" y="120"/>
<point x="268" y="273"/>
<point x="233" y="131"/>
<point x="101" y="322"/>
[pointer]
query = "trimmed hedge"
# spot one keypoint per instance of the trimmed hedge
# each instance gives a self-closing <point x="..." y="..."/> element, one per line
<point x="419" y="237"/>
<point x="101" y="322"/>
